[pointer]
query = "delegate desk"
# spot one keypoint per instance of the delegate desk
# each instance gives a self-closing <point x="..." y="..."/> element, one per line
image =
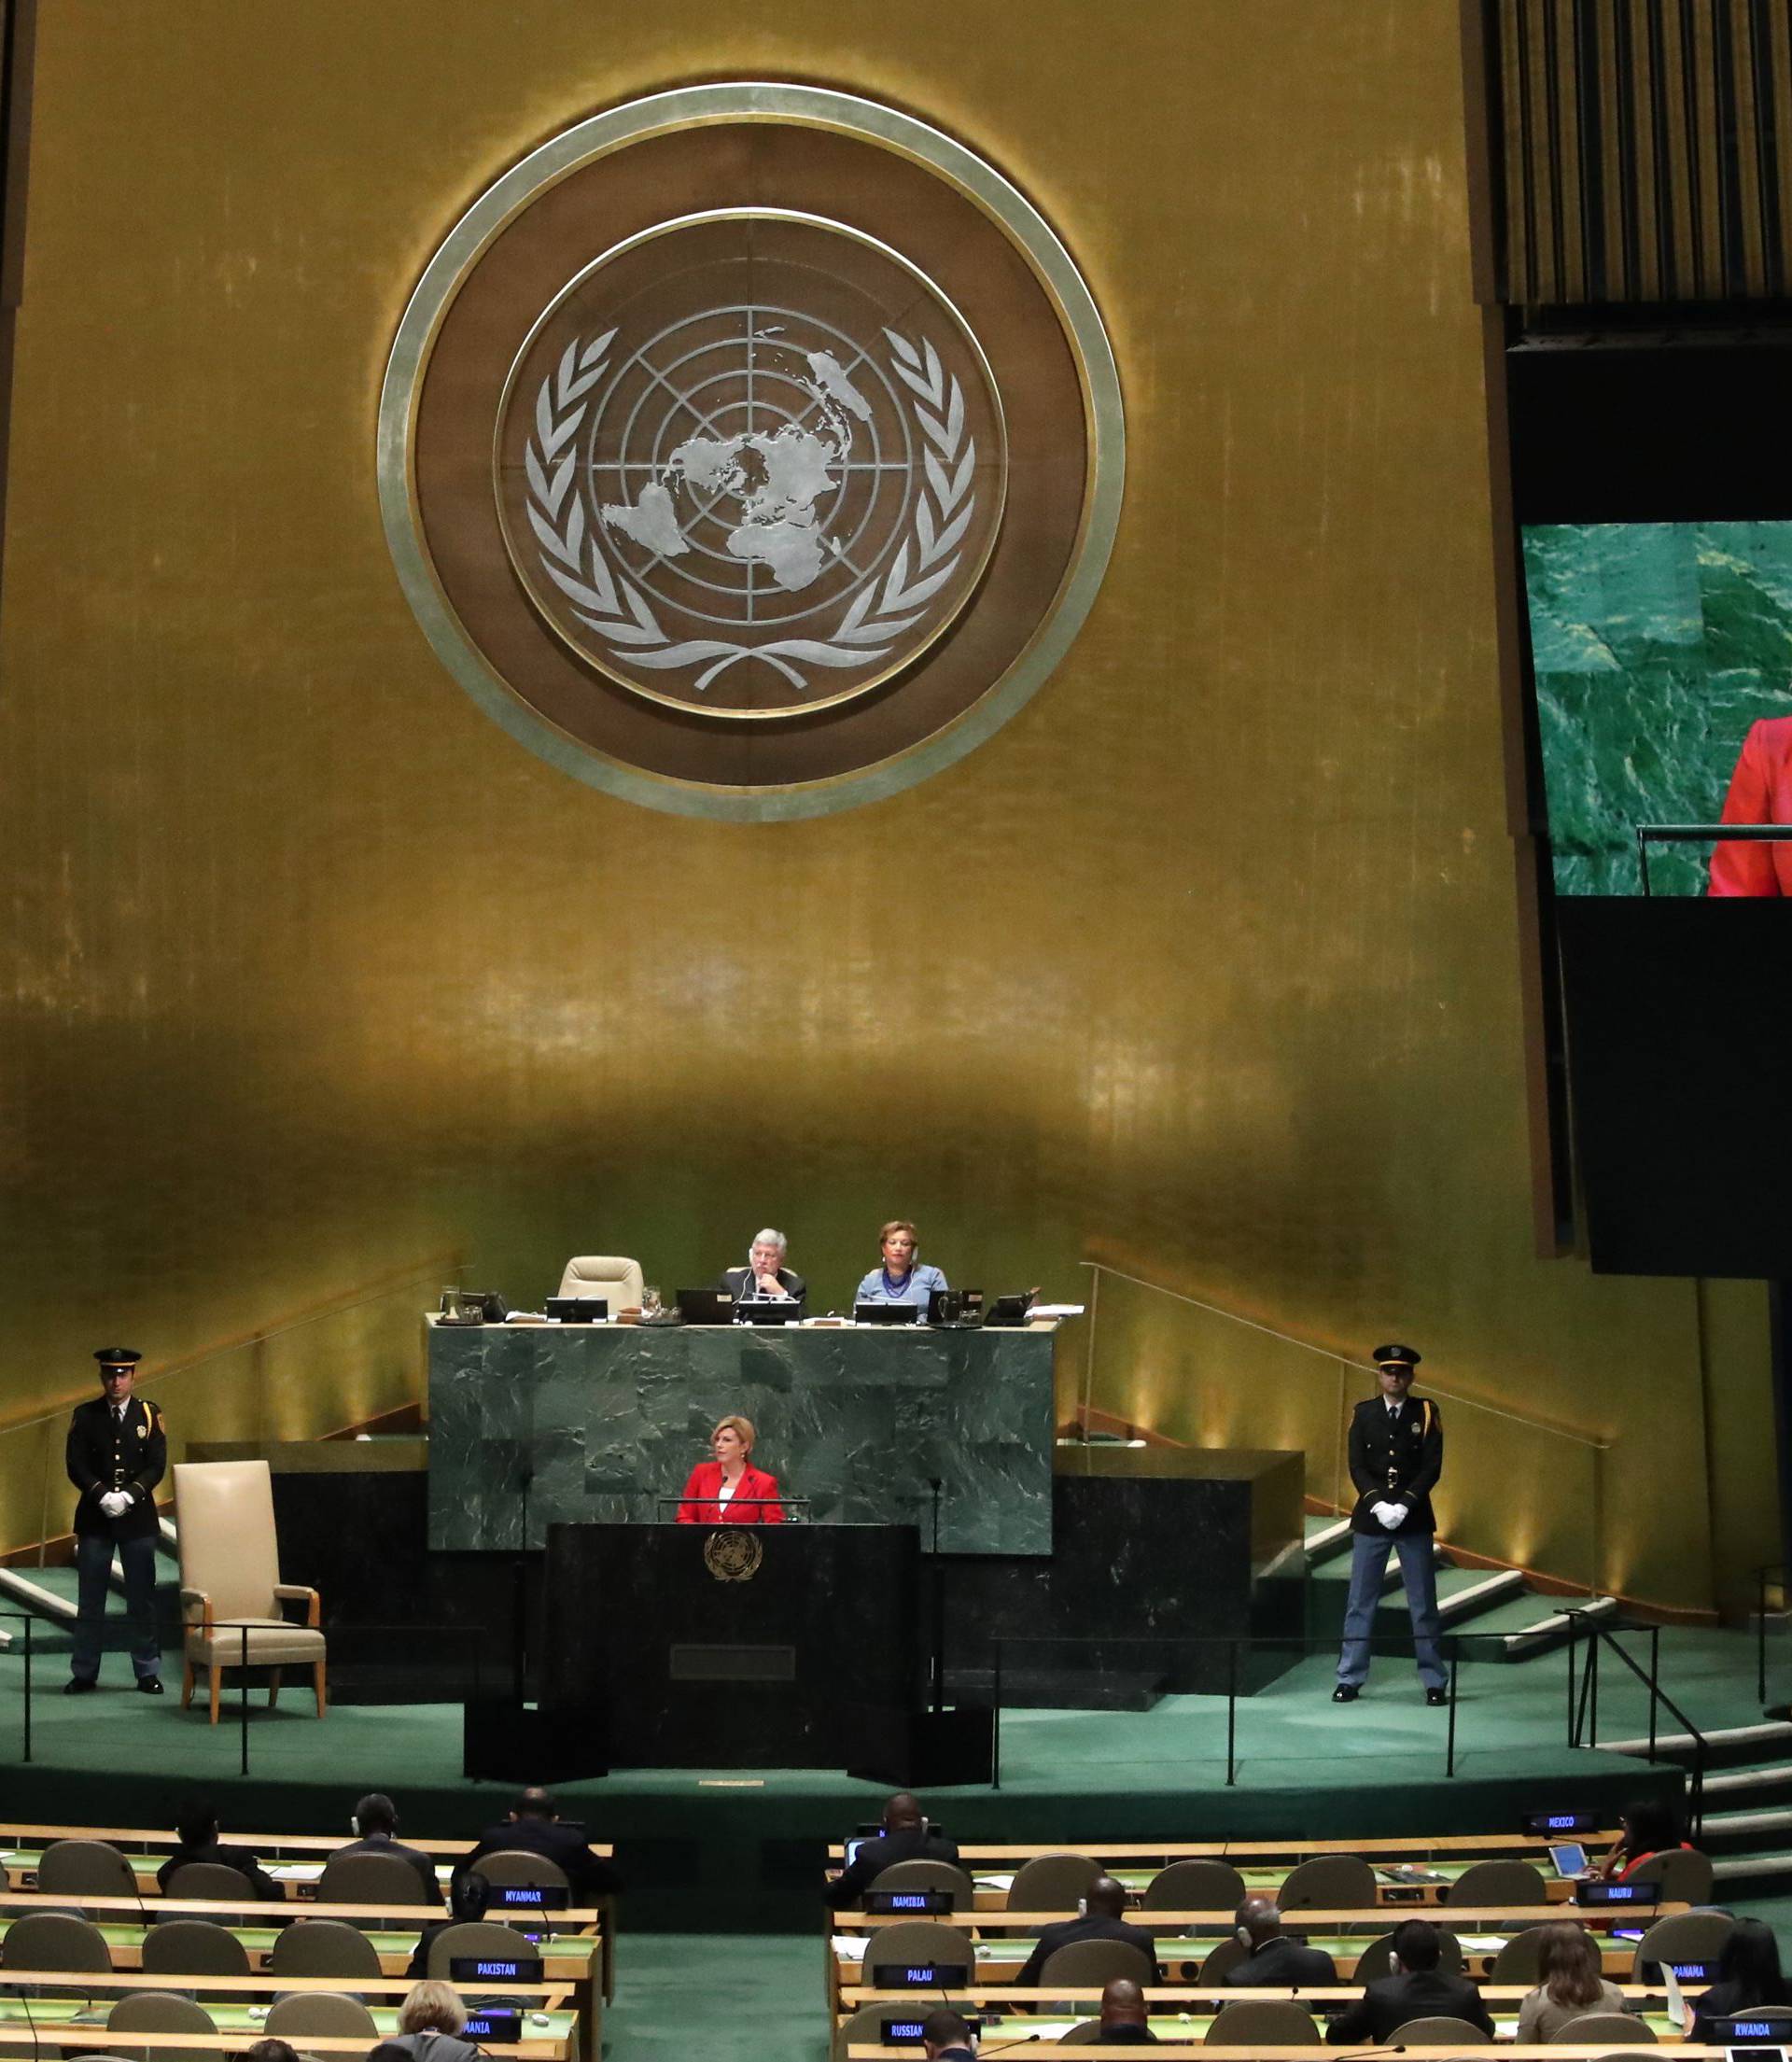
<point x="1184" y="1940"/>
<point x="239" y="2005"/>
<point x="530" y="1424"/>
<point x="1180" y="2016"/>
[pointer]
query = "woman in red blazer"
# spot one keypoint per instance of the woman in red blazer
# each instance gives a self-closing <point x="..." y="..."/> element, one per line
<point x="1760" y="791"/>
<point x="727" y="1491"/>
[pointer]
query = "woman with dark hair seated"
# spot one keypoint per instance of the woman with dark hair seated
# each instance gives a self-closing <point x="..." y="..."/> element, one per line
<point x="1568" y="1961"/>
<point x="1748" y="1979"/>
<point x="1648" y="1829"/>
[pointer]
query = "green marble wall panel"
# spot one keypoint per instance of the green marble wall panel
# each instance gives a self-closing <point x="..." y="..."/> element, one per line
<point x="1655" y="646"/>
<point x="603" y="1420"/>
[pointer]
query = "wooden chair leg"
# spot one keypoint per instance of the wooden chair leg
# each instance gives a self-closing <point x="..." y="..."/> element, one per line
<point x="318" y="1678"/>
<point x="274" y="1688"/>
<point x="215" y="1672"/>
<point x="187" y="1684"/>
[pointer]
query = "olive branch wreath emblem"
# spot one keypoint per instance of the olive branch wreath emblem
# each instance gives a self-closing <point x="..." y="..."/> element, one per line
<point x="613" y="606"/>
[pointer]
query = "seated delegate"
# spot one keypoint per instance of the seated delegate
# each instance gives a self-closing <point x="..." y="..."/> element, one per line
<point x="764" y="1278"/>
<point x="726" y="1490"/>
<point x="900" y="1278"/>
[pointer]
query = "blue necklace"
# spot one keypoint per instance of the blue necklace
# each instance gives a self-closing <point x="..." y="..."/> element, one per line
<point x="894" y="1289"/>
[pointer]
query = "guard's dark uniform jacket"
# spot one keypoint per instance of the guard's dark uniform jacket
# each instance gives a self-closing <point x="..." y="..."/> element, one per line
<point x="1395" y="1461"/>
<point x="105" y="1453"/>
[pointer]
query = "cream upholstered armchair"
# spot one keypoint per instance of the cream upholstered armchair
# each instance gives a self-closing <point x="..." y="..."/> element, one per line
<point x="230" y="1589"/>
<point x="605" y="1275"/>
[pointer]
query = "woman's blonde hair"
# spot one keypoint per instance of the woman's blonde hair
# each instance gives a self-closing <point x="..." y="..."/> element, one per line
<point x="733" y="1423"/>
<point x="1569" y="1963"/>
<point x="433" y="2006"/>
<point x="896" y="1225"/>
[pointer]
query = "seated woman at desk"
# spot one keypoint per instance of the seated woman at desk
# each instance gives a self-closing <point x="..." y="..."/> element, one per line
<point x="901" y="1279"/>
<point x="727" y="1491"/>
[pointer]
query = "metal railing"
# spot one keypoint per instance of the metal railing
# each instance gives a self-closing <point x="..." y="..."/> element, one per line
<point x="1583" y="1709"/>
<point x="1703" y="833"/>
<point x="456" y="1650"/>
<point x="1347" y="1371"/>
<point x="248" y="1393"/>
<point x="1225" y="1660"/>
<point x="1765" y="1569"/>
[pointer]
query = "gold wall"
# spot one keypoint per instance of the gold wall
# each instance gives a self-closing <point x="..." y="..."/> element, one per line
<point x="1207" y="964"/>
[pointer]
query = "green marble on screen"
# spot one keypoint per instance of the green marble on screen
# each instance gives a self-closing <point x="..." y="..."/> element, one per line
<point x="604" y="1421"/>
<point x="1655" y="646"/>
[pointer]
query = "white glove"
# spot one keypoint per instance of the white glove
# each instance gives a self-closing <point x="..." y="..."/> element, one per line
<point x="114" y="1503"/>
<point x="1390" y="1514"/>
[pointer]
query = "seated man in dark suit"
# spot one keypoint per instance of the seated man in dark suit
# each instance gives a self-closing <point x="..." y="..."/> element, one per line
<point x="1416" y="1990"/>
<point x="946" y="2038"/>
<point x="1123" y="2016"/>
<point x="906" y="1837"/>
<point x="534" y="1827"/>
<point x="1100" y="1921"/>
<point x="765" y="1278"/>
<point x="469" y="1895"/>
<point x="197" y="1827"/>
<point x="1274" y="1960"/>
<point x="376" y="1820"/>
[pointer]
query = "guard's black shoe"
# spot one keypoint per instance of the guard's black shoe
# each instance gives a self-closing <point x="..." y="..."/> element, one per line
<point x="79" y="1685"/>
<point x="1436" y="1696"/>
<point x="1344" y="1693"/>
<point x="150" y="1685"/>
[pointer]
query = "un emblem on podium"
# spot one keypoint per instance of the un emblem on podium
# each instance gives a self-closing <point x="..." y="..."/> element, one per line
<point x="733" y="1554"/>
<point x="751" y="451"/>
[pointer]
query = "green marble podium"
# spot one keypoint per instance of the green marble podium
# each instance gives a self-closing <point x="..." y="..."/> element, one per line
<point x="531" y="1423"/>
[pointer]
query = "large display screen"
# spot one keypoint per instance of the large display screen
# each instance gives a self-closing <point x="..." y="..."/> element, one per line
<point x="1662" y="655"/>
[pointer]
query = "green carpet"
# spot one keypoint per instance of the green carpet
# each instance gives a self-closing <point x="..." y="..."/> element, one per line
<point x="723" y="1997"/>
<point x="731" y="1848"/>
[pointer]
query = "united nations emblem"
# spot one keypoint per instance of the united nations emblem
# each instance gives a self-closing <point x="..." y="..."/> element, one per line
<point x="733" y="1554"/>
<point x="731" y="480"/>
<point x="750" y="450"/>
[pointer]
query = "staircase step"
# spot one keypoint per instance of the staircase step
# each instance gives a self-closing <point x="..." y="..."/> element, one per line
<point x="1758" y="1869"/>
<point x="1327" y="1540"/>
<point x="1731" y="1741"/>
<point x="40" y="1591"/>
<point x="1760" y="1775"/>
<point x="1723" y="1832"/>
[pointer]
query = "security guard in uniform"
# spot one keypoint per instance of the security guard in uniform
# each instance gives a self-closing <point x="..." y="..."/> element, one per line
<point x="1396" y="1456"/>
<point x="117" y="1453"/>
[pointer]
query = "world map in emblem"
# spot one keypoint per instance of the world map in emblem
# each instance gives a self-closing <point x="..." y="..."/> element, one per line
<point x="750" y="464"/>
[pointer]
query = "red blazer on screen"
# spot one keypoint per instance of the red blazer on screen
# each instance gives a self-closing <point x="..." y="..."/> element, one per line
<point x="701" y="1507"/>
<point x="1760" y="791"/>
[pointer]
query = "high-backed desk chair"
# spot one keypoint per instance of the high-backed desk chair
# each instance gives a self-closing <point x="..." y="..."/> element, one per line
<point x="231" y="1590"/>
<point x="617" y="1281"/>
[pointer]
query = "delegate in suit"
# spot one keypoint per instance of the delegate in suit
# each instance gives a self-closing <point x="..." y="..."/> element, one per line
<point x="1417" y="1989"/>
<point x="765" y="1278"/>
<point x="1100" y="1920"/>
<point x="906" y="1837"/>
<point x="1396" y="1456"/>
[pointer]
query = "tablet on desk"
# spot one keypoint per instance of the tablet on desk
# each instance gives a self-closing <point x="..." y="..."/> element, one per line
<point x="1568" y="1857"/>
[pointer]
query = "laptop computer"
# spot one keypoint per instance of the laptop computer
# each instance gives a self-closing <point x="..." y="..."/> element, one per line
<point x="578" y="1309"/>
<point x="705" y="1306"/>
<point x="885" y="1313"/>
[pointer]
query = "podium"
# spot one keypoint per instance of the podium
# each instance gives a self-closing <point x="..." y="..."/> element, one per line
<point x="731" y="1645"/>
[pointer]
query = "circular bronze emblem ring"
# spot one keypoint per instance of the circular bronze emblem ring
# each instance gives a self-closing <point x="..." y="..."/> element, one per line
<point x="751" y="451"/>
<point x="733" y="1554"/>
